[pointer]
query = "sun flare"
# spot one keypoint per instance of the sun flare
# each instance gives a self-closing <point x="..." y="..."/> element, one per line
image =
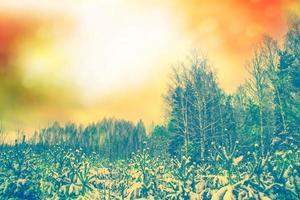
<point x="118" y="48"/>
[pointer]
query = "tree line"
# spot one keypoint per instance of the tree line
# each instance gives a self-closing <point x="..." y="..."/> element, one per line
<point x="262" y="116"/>
<point x="111" y="138"/>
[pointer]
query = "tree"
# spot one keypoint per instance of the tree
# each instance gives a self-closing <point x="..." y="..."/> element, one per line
<point x="287" y="83"/>
<point x="159" y="140"/>
<point x="258" y="88"/>
<point x="139" y="136"/>
<point x="196" y="116"/>
<point x="178" y="116"/>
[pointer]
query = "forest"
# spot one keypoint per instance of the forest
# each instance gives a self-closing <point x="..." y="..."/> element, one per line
<point x="213" y="145"/>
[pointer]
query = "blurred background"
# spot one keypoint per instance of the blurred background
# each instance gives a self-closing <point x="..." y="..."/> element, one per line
<point x="83" y="60"/>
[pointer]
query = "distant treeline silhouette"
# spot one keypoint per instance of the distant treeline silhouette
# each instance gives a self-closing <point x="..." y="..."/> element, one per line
<point x="111" y="138"/>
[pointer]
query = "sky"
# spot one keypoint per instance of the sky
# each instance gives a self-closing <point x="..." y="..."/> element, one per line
<point x="81" y="61"/>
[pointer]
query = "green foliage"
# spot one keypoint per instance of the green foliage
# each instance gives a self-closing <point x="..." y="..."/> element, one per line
<point x="58" y="173"/>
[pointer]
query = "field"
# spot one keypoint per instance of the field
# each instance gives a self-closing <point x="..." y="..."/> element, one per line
<point x="33" y="172"/>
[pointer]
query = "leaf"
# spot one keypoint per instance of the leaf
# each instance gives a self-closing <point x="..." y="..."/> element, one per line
<point x="237" y="160"/>
<point x="195" y="196"/>
<point x="71" y="189"/>
<point x="263" y="197"/>
<point x="218" y="195"/>
<point x="229" y="194"/>
<point x="63" y="189"/>
<point x="21" y="181"/>
<point x="223" y="180"/>
<point x="134" y="189"/>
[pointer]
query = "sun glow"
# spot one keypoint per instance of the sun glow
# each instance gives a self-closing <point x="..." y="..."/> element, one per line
<point x="116" y="47"/>
<point x="85" y="60"/>
<point x="111" y="44"/>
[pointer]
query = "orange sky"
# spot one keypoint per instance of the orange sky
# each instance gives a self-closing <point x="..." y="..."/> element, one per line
<point x="83" y="60"/>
